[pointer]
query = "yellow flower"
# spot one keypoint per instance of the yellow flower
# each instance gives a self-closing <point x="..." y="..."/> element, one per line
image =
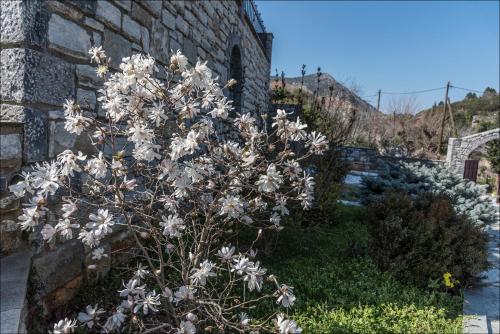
<point x="448" y="281"/>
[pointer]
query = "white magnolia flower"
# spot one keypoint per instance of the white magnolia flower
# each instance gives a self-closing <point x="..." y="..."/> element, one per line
<point x="186" y="327"/>
<point x="68" y="208"/>
<point x="244" y="319"/>
<point x="46" y="178"/>
<point x="287" y="326"/>
<point x="317" y="142"/>
<point x="157" y="113"/>
<point x="271" y="181"/>
<point x="99" y="253"/>
<point x="281" y="206"/>
<point x="97" y="54"/>
<point x="64" y="228"/>
<point x="231" y="206"/>
<point x="90" y="315"/>
<point x="115" y="321"/>
<point x="254" y="276"/>
<point x="199" y="275"/>
<point x="179" y="61"/>
<point x="64" y="326"/>
<point x="226" y="253"/>
<point x="184" y="293"/>
<point x="172" y="225"/>
<point x="241" y="264"/>
<point x="101" y="223"/>
<point x="141" y="271"/>
<point x="68" y="161"/>
<point x="97" y="167"/>
<point x="132" y="288"/>
<point x="23" y="186"/>
<point x="149" y="302"/>
<point x="286" y="296"/>
<point x="29" y="218"/>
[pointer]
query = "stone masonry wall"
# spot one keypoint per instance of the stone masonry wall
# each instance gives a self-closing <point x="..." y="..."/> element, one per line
<point x="44" y="61"/>
<point x="459" y="149"/>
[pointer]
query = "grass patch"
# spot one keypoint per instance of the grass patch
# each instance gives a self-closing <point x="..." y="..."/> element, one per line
<point x="340" y="290"/>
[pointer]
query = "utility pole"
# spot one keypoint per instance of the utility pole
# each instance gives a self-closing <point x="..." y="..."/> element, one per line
<point x="453" y="128"/>
<point x="378" y="101"/>
<point x="440" y="143"/>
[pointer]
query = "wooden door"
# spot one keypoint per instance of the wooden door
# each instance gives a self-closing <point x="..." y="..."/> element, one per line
<point x="470" y="170"/>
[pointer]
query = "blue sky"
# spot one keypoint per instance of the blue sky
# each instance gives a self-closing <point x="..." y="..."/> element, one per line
<point x="395" y="46"/>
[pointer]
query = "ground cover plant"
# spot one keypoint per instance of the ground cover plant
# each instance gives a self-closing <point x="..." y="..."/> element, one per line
<point x="415" y="178"/>
<point x="340" y="289"/>
<point x="190" y="175"/>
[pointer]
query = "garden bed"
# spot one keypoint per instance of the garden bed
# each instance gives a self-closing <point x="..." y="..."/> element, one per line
<point x="338" y="288"/>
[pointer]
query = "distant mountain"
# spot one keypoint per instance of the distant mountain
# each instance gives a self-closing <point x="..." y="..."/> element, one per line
<point x="327" y="82"/>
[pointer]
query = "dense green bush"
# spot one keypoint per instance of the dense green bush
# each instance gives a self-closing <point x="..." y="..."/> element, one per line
<point x="421" y="238"/>
<point x="415" y="178"/>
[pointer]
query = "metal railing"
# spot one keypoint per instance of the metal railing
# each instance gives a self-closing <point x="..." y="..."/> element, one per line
<point x="253" y="15"/>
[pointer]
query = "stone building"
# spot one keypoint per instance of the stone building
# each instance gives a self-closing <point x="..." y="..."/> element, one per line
<point x="44" y="61"/>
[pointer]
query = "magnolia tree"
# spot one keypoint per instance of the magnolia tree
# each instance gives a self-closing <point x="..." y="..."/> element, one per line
<point x="182" y="189"/>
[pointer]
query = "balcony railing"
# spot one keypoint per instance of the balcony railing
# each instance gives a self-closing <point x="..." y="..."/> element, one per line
<point x="253" y="15"/>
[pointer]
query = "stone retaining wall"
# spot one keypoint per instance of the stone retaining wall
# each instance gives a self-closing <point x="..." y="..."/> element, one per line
<point x="367" y="159"/>
<point x="44" y="61"/>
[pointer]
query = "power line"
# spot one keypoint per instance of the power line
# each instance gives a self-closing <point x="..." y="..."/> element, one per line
<point x="467" y="89"/>
<point x="414" y="92"/>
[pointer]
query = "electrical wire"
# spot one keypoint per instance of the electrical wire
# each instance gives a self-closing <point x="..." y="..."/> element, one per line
<point x="414" y="92"/>
<point x="467" y="89"/>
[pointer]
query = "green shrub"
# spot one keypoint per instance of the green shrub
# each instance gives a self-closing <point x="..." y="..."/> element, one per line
<point x="419" y="239"/>
<point x="416" y="178"/>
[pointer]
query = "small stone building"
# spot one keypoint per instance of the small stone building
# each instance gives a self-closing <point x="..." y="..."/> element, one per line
<point x="45" y="60"/>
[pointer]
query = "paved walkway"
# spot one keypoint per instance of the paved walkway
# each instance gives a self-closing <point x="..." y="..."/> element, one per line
<point x="483" y="301"/>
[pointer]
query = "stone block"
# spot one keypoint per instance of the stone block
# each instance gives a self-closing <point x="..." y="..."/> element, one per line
<point x="141" y="15"/>
<point x="182" y="25"/>
<point x="125" y="4"/>
<point x="35" y="130"/>
<point x="65" y="10"/>
<point x="190" y="51"/>
<point x="131" y="28"/>
<point x="86" y="6"/>
<point x="68" y="37"/>
<point x="145" y="39"/>
<point x="94" y="24"/>
<point x="87" y="76"/>
<point x="10" y="146"/>
<point x="116" y="47"/>
<point x="153" y="6"/>
<point x="32" y="76"/>
<point x="109" y="14"/>
<point x="86" y="98"/>
<point x="59" y="139"/>
<point x="168" y="18"/>
<point x="159" y="42"/>
<point x="96" y="39"/>
<point x="56" y="268"/>
<point x="23" y="22"/>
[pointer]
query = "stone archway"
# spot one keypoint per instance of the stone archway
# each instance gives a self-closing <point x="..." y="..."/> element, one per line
<point x="459" y="149"/>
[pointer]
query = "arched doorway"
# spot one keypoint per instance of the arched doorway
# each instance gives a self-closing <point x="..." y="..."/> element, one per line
<point x="236" y="72"/>
<point x="459" y="149"/>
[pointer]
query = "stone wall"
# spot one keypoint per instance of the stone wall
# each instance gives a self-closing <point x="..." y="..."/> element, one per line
<point x="459" y="149"/>
<point x="367" y="160"/>
<point x="44" y="61"/>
